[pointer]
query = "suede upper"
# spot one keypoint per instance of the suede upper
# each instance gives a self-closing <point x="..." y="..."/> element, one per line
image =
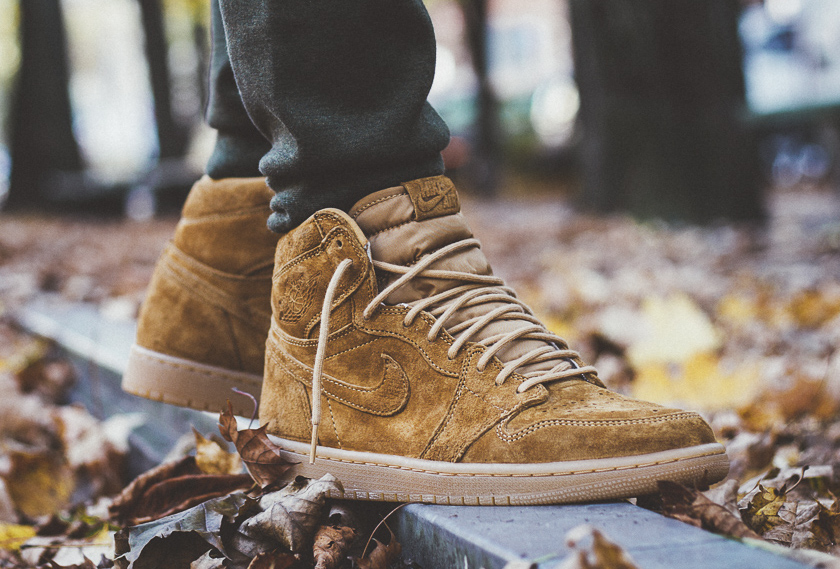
<point x="389" y="386"/>
<point x="216" y="276"/>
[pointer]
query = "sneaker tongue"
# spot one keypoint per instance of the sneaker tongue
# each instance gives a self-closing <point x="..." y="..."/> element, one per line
<point x="407" y="222"/>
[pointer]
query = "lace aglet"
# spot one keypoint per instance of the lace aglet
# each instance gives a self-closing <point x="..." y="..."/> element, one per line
<point x="313" y="444"/>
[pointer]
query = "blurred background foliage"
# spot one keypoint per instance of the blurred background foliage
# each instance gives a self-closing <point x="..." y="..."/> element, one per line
<point x="658" y="118"/>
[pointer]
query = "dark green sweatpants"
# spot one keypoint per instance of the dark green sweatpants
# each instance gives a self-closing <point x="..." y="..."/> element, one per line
<point x="335" y="93"/>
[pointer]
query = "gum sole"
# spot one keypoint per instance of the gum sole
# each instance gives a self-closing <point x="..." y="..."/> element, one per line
<point x="370" y="476"/>
<point x="182" y="382"/>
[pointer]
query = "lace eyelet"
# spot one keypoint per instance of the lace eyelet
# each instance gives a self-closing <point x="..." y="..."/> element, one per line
<point x="339" y="243"/>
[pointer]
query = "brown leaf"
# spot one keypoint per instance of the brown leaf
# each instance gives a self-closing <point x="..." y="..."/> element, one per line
<point x="290" y="515"/>
<point x="132" y="496"/>
<point x="181" y="493"/>
<point x="692" y="507"/>
<point x="816" y="527"/>
<point x="331" y="545"/>
<point x="207" y="561"/>
<point x="382" y="556"/>
<point x="39" y="483"/>
<point x="601" y="553"/>
<point x="212" y="456"/>
<point x="170" y="488"/>
<point x="273" y="560"/>
<point x="762" y="514"/>
<point x="263" y="459"/>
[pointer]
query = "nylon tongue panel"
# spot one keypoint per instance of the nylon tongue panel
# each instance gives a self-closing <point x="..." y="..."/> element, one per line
<point x="407" y="222"/>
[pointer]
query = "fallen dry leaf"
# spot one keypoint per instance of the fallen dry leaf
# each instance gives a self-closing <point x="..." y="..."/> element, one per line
<point x="207" y="561"/>
<point x="331" y="545"/>
<point x="203" y="521"/>
<point x="291" y="515"/>
<point x="381" y="556"/>
<point x="601" y="553"/>
<point x="12" y="536"/>
<point x="131" y="498"/>
<point x="762" y="514"/>
<point x="273" y="560"/>
<point x="181" y="493"/>
<point x="39" y="483"/>
<point x="692" y="507"/>
<point x="262" y="458"/>
<point x="212" y="456"/>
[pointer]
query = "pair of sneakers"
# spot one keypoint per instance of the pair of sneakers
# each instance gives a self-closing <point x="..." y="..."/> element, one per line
<point x="391" y="357"/>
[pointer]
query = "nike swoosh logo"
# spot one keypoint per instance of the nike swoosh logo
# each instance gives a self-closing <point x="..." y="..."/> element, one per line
<point x="429" y="203"/>
<point x="388" y="397"/>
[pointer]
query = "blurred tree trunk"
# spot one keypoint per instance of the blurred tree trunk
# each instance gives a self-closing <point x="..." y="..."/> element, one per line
<point x="662" y="108"/>
<point x="484" y="168"/>
<point x="172" y="138"/>
<point x="42" y="141"/>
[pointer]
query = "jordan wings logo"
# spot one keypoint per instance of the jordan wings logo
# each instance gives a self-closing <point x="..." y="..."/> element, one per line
<point x="297" y="299"/>
<point x="387" y="397"/>
<point x="433" y="197"/>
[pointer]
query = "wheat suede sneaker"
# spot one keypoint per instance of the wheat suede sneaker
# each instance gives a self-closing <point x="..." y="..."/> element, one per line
<point x="397" y="362"/>
<point x="203" y="325"/>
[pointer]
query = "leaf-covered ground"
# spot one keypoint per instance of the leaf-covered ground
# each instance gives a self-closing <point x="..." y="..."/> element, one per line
<point x="742" y="323"/>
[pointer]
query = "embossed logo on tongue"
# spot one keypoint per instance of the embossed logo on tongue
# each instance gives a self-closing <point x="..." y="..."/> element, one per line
<point x="433" y="197"/>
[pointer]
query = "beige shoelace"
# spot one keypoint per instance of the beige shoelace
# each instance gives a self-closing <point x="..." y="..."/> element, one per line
<point x="479" y="289"/>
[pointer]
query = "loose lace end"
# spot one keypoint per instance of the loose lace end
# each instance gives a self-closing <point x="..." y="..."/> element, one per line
<point x="320" y="353"/>
<point x="313" y="444"/>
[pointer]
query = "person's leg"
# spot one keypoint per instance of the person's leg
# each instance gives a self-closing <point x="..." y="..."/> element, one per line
<point x="239" y="145"/>
<point x="340" y="90"/>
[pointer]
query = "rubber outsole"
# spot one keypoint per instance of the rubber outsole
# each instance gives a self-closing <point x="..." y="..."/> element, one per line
<point x="379" y="477"/>
<point x="182" y="382"/>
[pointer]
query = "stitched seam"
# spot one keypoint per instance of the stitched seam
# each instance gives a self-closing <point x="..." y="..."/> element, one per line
<point x="332" y="420"/>
<point x="447" y="420"/>
<point x="383" y="230"/>
<point x="511" y="437"/>
<point x="303" y="343"/>
<point x="198" y="266"/>
<point x="483" y="398"/>
<point x="350" y="349"/>
<point x="380" y="200"/>
<point x="221" y="300"/>
<point x="545" y="475"/>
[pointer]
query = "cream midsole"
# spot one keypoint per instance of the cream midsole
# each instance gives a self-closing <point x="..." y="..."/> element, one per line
<point x="183" y="382"/>
<point x="373" y="476"/>
<point x="499" y="469"/>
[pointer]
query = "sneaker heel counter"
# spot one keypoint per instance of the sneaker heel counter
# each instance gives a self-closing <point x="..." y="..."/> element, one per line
<point x="174" y="321"/>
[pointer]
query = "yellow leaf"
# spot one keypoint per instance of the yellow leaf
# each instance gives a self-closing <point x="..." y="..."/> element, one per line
<point x="701" y="381"/>
<point x="561" y="327"/>
<point x="737" y="309"/>
<point x="212" y="458"/>
<point x="12" y="536"/>
<point x="675" y="329"/>
<point x="812" y="308"/>
<point x="40" y="484"/>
